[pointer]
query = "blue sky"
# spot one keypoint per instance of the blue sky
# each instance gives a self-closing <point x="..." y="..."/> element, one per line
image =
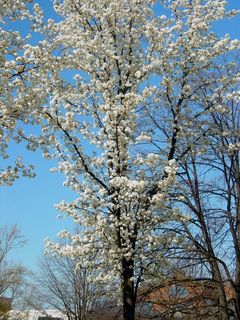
<point x="29" y="202"/>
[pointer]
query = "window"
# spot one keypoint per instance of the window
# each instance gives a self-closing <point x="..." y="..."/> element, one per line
<point x="178" y="291"/>
<point x="145" y="309"/>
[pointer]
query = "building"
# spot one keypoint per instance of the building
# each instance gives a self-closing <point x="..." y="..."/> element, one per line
<point x="188" y="299"/>
<point x="37" y="315"/>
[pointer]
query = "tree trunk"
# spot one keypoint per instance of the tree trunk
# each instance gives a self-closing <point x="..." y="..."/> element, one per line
<point x="237" y="248"/>
<point x="237" y="299"/>
<point x="128" y="289"/>
<point x="222" y="301"/>
<point x="210" y="254"/>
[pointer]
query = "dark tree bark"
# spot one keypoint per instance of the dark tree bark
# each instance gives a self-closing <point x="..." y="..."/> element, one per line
<point x="128" y="289"/>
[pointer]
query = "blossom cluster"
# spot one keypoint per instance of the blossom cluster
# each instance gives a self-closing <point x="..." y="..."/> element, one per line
<point x="136" y="98"/>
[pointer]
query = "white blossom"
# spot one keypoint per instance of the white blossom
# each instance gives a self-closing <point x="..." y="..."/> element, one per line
<point x="134" y="84"/>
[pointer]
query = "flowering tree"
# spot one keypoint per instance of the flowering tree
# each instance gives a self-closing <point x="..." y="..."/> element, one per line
<point x="12" y="104"/>
<point x="117" y="93"/>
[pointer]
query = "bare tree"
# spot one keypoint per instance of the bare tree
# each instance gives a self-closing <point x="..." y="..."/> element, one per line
<point x="64" y="285"/>
<point x="12" y="275"/>
<point x="209" y="178"/>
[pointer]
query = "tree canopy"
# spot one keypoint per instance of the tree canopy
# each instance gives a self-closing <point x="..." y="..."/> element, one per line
<point x="131" y="98"/>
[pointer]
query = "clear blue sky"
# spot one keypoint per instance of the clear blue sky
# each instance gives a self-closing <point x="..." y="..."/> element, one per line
<point x="29" y="203"/>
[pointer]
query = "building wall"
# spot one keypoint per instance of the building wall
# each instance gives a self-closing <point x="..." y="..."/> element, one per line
<point x="35" y="314"/>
